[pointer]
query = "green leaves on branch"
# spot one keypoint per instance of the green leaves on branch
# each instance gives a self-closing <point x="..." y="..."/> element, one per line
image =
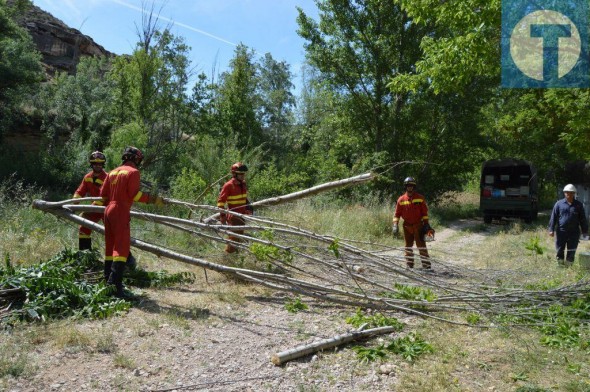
<point x="57" y="289"/>
<point x="60" y="288"/>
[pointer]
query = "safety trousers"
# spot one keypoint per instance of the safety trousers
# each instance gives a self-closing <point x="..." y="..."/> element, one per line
<point x="234" y="221"/>
<point x="412" y="233"/>
<point x="117" y="235"/>
<point x="84" y="233"/>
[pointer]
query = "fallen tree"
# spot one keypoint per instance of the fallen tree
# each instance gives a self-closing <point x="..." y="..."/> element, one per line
<point x="329" y="269"/>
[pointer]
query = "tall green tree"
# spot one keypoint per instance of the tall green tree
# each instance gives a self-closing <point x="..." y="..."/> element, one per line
<point x="462" y="44"/>
<point x="77" y="107"/>
<point x="20" y="63"/>
<point x="359" y="46"/>
<point x="462" y="57"/>
<point x="237" y="100"/>
<point x="277" y="100"/>
<point x="150" y="102"/>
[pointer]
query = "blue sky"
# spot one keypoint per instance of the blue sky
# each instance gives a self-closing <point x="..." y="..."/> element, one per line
<point x="212" y="28"/>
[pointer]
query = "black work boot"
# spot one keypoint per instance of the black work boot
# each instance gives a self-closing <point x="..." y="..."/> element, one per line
<point x="108" y="264"/>
<point x="131" y="262"/>
<point x="84" y="243"/>
<point x="116" y="278"/>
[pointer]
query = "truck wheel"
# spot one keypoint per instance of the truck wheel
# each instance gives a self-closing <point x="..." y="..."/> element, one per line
<point x="487" y="219"/>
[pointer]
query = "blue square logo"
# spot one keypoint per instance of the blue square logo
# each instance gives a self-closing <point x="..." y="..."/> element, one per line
<point x="545" y="43"/>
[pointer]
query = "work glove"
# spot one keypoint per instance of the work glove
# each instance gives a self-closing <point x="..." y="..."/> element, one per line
<point x="395" y="230"/>
<point x="427" y="232"/>
<point x="157" y="200"/>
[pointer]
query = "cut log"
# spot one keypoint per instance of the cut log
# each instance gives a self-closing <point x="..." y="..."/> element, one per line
<point x="301" y="351"/>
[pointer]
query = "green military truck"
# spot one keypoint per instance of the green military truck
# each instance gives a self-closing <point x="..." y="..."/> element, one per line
<point x="508" y="188"/>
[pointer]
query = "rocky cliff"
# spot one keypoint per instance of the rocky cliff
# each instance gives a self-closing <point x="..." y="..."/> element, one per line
<point x="61" y="46"/>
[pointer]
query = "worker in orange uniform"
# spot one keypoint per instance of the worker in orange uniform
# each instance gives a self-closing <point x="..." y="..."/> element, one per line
<point x="119" y="191"/>
<point x="234" y="194"/>
<point x="411" y="207"/>
<point x="90" y="186"/>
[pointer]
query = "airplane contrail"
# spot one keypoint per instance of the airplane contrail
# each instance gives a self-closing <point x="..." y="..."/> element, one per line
<point x="133" y="7"/>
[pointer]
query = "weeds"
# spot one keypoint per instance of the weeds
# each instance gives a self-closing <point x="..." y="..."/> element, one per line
<point x="295" y="305"/>
<point x="123" y="361"/>
<point x="374" y="321"/>
<point x="409" y="347"/>
<point x="413" y="293"/>
<point x="534" y="246"/>
<point x="13" y="361"/>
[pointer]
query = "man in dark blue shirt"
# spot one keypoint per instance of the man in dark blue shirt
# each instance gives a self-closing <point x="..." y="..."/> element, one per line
<point x="567" y="217"/>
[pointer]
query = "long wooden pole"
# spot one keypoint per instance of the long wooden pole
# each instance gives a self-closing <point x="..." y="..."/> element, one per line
<point x="300" y="351"/>
<point x="307" y="192"/>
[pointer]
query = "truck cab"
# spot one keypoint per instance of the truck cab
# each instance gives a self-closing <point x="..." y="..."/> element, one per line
<point x="508" y="188"/>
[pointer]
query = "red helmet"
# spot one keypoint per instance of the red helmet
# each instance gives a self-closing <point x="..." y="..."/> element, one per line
<point x="238" y="168"/>
<point x="97" y="157"/>
<point x="132" y="154"/>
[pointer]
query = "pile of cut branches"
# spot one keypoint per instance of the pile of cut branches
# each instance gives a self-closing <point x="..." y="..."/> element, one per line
<point x="68" y="285"/>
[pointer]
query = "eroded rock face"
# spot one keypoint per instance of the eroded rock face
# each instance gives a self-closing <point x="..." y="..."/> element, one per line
<point x="61" y="46"/>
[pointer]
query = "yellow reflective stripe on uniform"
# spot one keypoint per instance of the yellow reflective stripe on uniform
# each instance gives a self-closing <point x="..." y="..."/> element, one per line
<point x="88" y="179"/>
<point x="236" y="202"/>
<point x="83" y="236"/>
<point x="417" y="201"/>
<point x="404" y="203"/>
<point x="425" y="217"/>
<point x="119" y="259"/>
<point x="138" y="196"/>
<point x="98" y="203"/>
<point x="117" y="172"/>
<point x="242" y="196"/>
<point x="220" y="205"/>
<point x="108" y="258"/>
<point x="99" y="181"/>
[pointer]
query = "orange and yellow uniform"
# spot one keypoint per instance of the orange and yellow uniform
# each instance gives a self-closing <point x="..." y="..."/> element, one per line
<point x="414" y="211"/>
<point x="234" y="194"/>
<point x="119" y="191"/>
<point x="90" y="186"/>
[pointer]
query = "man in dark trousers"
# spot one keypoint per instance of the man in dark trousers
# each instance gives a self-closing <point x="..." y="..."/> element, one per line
<point x="90" y="186"/>
<point x="119" y="191"/>
<point x="412" y="208"/>
<point x="567" y="218"/>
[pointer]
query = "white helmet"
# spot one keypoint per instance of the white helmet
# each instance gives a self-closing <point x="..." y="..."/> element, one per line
<point x="569" y="188"/>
